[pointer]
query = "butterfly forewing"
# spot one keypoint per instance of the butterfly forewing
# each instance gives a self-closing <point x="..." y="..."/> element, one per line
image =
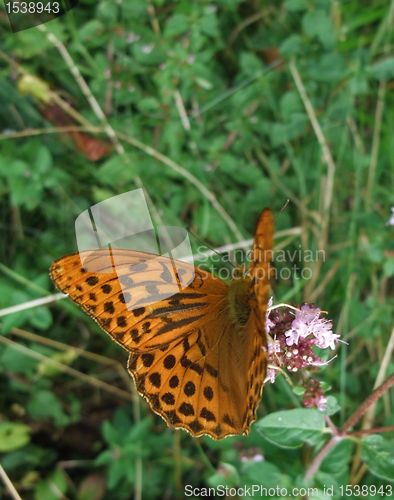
<point x="260" y="271"/>
<point x="152" y="321"/>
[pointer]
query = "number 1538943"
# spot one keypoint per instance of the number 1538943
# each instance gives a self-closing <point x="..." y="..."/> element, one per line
<point x="32" y="7"/>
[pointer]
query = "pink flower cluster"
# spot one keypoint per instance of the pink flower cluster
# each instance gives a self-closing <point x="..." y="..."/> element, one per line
<point x="313" y="396"/>
<point x="294" y="334"/>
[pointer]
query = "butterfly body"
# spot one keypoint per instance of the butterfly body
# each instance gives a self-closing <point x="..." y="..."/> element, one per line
<point x="239" y="301"/>
<point x="198" y="353"/>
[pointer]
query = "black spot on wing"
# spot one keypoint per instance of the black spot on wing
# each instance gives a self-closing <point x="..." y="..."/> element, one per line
<point x="208" y="415"/>
<point x="169" y="362"/>
<point x="109" y="307"/>
<point x="186" y="409"/>
<point x="173" y="417"/>
<point x="195" y="426"/>
<point x="174" y="382"/>
<point x="139" y="311"/>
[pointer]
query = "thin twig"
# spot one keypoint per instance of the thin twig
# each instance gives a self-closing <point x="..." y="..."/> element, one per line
<point x="327" y="193"/>
<point x="32" y="303"/>
<point x="376" y="430"/>
<point x="50" y="130"/>
<point x="9" y="485"/>
<point x="375" y="141"/>
<point x="322" y="285"/>
<point x="247" y="22"/>
<point x="356" y="135"/>
<point x="153" y="19"/>
<point x="374" y="396"/>
<point x="181" y="110"/>
<point x="185" y="120"/>
<point x="320" y="137"/>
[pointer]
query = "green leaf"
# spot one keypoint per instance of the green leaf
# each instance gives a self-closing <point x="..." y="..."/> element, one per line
<point x="379" y="456"/>
<point x="208" y="24"/>
<point x="388" y="267"/>
<point x="25" y="188"/>
<point x="90" y="30"/>
<point x="329" y="67"/>
<point x="383" y="70"/>
<point x="290" y="429"/>
<point x="250" y="64"/>
<point x="176" y="25"/>
<point x="226" y="474"/>
<point x="134" y="9"/>
<point x="296" y="5"/>
<point x="114" y="172"/>
<point x="331" y="406"/>
<point x="338" y="457"/>
<point x="317" y="23"/>
<point x="119" y="469"/>
<point x="43" y="160"/>
<point x="108" y="12"/>
<point x="299" y="390"/>
<point x="13" y="436"/>
<point x="291" y="46"/>
<point x="41" y="317"/>
<point x="111" y="434"/>
<point x="31" y="43"/>
<point x="52" y="488"/>
<point x="290" y="103"/>
<point x="27" y="457"/>
<point x="44" y="404"/>
<point x="281" y="133"/>
<point x="92" y="487"/>
<point x="148" y="104"/>
<point x="17" y="361"/>
<point x="264" y="473"/>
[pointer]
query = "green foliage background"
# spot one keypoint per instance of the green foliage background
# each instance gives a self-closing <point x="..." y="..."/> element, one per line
<point x="251" y="144"/>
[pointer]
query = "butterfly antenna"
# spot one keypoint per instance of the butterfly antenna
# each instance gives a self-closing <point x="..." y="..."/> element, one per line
<point x="198" y="239"/>
<point x="281" y="210"/>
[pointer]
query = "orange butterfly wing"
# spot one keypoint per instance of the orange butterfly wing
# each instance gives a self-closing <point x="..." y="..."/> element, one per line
<point x="188" y="358"/>
<point x="260" y="271"/>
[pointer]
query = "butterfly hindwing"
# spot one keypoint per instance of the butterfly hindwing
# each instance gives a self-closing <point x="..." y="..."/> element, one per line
<point x="188" y="383"/>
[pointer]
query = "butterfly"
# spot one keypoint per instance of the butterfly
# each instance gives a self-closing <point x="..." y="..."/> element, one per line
<point x="198" y="353"/>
